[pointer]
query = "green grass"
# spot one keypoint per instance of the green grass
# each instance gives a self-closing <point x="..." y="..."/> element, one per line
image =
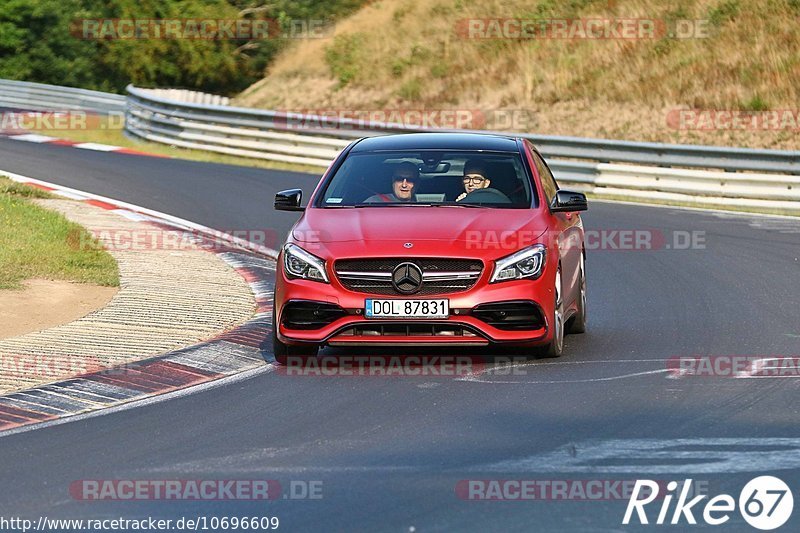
<point x="411" y="89"/>
<point x="12" y="188"/>
<point x="342" y="57"/>
<point x="38" y="243"/>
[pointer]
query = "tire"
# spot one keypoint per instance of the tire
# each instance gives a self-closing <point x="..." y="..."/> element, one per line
<point x="556" y="347"/>
<point x="283" y="351"/>
<point x="577" y="323"/>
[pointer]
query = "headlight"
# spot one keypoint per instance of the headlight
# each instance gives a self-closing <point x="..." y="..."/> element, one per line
<point x="527" y="263"/>
<point x="297" y="263"/>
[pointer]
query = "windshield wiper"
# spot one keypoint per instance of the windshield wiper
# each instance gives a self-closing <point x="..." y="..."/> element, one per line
<point x="457" y="205"/>
<point x="393" y="204"/>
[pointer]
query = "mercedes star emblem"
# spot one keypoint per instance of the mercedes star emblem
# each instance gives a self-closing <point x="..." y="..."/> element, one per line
<point x="407" y="278"/>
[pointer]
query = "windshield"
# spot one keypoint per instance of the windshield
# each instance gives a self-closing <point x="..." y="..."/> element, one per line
<point x="469" y="179"/>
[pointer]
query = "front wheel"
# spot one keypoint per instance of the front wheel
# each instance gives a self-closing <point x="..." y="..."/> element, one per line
<point x="578" y="322"/>
<point x="283" y="351"/>
<point x="556" y="346"/>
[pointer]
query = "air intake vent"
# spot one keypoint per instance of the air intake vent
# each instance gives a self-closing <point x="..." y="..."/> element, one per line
<point x="510" y="315"/>
<point x="380" y="329"/>
<point x="310" y="315"/>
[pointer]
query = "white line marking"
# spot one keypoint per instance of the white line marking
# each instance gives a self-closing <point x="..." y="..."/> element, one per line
<point x="477" y="379"/>
<point x="72" y="196"/>
<point x="33" y="138"/>
<point x="131" y="215"/>
<point x="97" y="147"/>
<point x="505" y="367"/>
<point x="602" y="361"/>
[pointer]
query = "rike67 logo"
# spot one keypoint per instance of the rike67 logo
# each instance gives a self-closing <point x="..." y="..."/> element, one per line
<point x="765" y="503"/>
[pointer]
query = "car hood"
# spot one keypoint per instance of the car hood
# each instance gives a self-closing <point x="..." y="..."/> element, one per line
<point x="415" y="224"/>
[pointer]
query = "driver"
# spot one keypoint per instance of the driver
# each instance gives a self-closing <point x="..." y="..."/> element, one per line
<point x="404" y="179"/>
<point x="474" y="178"/>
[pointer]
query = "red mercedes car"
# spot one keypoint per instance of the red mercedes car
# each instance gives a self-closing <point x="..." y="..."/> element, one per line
<point x="432" y="239"/>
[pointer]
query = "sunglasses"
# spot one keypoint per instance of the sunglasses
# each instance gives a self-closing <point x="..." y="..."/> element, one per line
<point x="410" y="179"/>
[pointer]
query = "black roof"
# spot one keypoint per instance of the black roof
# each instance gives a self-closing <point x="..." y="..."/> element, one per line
<point x="438" y="141"/>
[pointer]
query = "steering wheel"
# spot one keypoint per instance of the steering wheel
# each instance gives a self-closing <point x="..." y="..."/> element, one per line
<point x="487" y="196"/>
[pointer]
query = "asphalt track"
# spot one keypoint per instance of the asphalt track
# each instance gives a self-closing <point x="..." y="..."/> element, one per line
<point x="390" y="451"/>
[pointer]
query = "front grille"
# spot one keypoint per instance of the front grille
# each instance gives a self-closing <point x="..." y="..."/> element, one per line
<point x="310" y="315"/>
<point x="510" y="316"/>
<point x="440" y="276"/>
<point x="432" y="288"/>
<point x="432" y="264"/>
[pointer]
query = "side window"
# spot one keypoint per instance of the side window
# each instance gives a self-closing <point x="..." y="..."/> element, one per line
<point x="548" y="181"/>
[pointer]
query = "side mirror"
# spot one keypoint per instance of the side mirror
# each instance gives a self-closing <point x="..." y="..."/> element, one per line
<point x="289" y="200"/>
<point x="565" y="201"/>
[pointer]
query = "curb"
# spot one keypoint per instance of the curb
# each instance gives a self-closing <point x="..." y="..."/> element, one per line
<point x="46" y="139"/>
<point x="149" y="214"/>
<point x="235" y="351"/>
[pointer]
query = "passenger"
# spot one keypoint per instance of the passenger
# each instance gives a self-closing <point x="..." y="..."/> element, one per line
<point x="404" y="179"/>
<point x="474" y="178"/>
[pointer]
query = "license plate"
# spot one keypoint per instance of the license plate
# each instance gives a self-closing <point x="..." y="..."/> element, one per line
<point x="407" y="308"/>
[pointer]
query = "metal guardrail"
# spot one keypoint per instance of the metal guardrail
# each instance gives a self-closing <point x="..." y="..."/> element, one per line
<point x="228" y="130"/>
<point x="702" y="175"/>
<point x="669" y="155"/>
<point x="777" y="193"/>
<point x="42" y="97"/>
<point x="192" y="97"/>
<point x="191" y="116"/>
<point x="652" y="171"/>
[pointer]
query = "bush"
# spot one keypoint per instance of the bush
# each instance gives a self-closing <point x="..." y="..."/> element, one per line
<point x="36" y="43"/>
<point x="342" y="57"/>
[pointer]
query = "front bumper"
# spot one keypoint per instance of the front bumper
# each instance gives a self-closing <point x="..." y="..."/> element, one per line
<point x="343" y="309"/>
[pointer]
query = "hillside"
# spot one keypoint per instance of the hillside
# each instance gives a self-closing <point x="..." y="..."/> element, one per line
<point x="737" y="55"/>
